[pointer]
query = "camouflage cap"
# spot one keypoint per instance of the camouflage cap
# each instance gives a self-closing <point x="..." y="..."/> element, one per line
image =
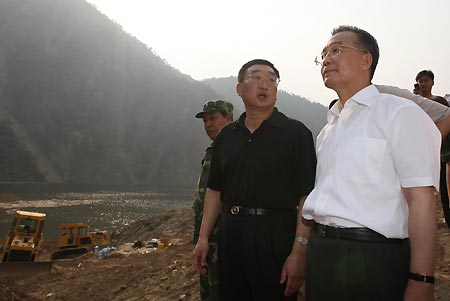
<point x="216" y="106"/>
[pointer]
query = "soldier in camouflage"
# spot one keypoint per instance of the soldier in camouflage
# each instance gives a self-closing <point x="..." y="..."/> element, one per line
<point x="215" y="114"/>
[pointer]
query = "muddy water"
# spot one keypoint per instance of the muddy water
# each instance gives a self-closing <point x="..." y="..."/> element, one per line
<point x="110" y="210"/>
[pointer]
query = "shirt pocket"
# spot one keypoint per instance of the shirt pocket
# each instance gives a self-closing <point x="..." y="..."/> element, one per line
<point x="361" y="160"/>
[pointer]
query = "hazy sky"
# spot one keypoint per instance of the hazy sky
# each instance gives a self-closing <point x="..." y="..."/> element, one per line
<point x="209" y="38"/>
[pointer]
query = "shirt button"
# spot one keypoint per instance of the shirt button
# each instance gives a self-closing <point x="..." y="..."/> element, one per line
<point x="249" y="140"/>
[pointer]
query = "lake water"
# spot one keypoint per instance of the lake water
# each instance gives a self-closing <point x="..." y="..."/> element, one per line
<point x="102" y="209"/>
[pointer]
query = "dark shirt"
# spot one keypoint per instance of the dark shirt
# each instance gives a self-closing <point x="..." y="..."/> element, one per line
<point x="440" y="100"/>
<point x="445" y="147"/>
<point x="270" y="168"/>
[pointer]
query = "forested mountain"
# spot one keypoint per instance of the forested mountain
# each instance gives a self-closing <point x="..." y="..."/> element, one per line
<point x="81" y="101"/>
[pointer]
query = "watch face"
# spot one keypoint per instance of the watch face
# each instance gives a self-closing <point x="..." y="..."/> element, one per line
<point x="302" y="240"/>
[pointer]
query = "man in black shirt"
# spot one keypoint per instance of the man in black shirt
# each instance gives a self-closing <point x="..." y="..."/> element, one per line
<point x="262" y="169"/>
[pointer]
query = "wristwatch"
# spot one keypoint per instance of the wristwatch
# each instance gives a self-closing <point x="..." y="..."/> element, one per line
<point x="421" y="278"/>
<point x="301" y="240"/>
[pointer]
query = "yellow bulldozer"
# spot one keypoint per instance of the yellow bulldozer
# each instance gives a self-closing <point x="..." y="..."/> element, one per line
<point x="23" y="245"/>
<point x="76" y="239"/>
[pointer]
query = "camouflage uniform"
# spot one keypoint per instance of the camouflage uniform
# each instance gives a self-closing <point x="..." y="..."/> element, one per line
<point x="208" y="282"/>
<point x="209" y="287"/>
<point x="199" y="197"/>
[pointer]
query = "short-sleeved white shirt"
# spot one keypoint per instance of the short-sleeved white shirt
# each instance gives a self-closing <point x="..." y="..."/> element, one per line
<point x="377" y="144"/>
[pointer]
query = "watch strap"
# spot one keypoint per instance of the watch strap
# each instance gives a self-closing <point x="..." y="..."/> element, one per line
<point x="421" y="277"/>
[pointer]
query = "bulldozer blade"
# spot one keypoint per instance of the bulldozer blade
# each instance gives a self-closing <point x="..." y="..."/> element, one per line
<point x="68" y="253"/>
<point x="24" y="269"/>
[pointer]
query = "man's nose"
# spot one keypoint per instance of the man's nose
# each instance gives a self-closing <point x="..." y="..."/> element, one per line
<point x="326" y="59"/>
<point x="264" y="83"/>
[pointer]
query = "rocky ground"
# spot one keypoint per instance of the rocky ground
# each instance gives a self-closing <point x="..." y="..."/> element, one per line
<point x="148" y="274"/>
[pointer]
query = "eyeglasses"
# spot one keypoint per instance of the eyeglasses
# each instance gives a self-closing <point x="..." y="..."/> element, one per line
<point x="258" y="78"/>
<point x="334" y="50"/>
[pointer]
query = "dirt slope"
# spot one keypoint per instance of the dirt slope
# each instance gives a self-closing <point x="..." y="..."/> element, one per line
<point x="147" y="274"/>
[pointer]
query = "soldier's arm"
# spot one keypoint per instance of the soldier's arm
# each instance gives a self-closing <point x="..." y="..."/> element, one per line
<point x="439" y="113"/>
<point x="211" y="210"/>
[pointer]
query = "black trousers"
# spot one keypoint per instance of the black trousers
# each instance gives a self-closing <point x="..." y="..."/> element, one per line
<point x="339" y="269"/>
<point x="252" y="251"/>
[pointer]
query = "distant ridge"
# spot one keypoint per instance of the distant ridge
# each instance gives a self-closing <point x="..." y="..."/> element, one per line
<point x="86" y="102"/>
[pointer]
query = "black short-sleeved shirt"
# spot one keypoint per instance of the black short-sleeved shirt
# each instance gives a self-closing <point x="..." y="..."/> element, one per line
<point x="445" y="146"/>
<point x="270" y="168"/>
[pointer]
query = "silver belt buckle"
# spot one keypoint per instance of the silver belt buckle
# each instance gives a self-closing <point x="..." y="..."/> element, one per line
<point x="235" y="210"/>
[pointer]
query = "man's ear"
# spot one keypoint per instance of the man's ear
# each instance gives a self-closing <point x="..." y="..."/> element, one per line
<point x="238" y="88"/>
<point x="367" y="61"/>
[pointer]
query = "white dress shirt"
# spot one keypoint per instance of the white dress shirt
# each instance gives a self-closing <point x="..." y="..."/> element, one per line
<point x="377" y="144"/>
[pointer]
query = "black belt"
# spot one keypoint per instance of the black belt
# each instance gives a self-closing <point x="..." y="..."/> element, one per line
<point x="359" y="234"/>
<point x="239" y="210"/>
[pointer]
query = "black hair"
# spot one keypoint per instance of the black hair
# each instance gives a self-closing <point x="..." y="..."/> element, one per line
<point x="366" y="41"/>
<point x="247" y="65"/>
<point x="427" y="73"/>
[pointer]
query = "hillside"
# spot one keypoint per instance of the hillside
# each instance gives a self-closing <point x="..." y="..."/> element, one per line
<point x="92" y="102"/>
<point x="88" y="103"/>
<point x="20" y="165"/>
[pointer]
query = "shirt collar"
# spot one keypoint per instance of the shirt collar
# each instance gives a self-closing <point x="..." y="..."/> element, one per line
<point x="276" y="118"/>
<point x="211" y="145"/>
<point x="366" y="97"/>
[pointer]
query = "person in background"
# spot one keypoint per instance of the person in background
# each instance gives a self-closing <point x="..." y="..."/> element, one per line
<point x="425" y="80"/>
<point x="263" y="167"/>
<point x="373" y="206"/>
<point x="416" y="89"/>
<point x="445" y="172"/>
<point x="215" y="115"/>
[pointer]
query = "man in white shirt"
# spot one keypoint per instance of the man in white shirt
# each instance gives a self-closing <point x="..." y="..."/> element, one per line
<point x="372" y="211"/>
